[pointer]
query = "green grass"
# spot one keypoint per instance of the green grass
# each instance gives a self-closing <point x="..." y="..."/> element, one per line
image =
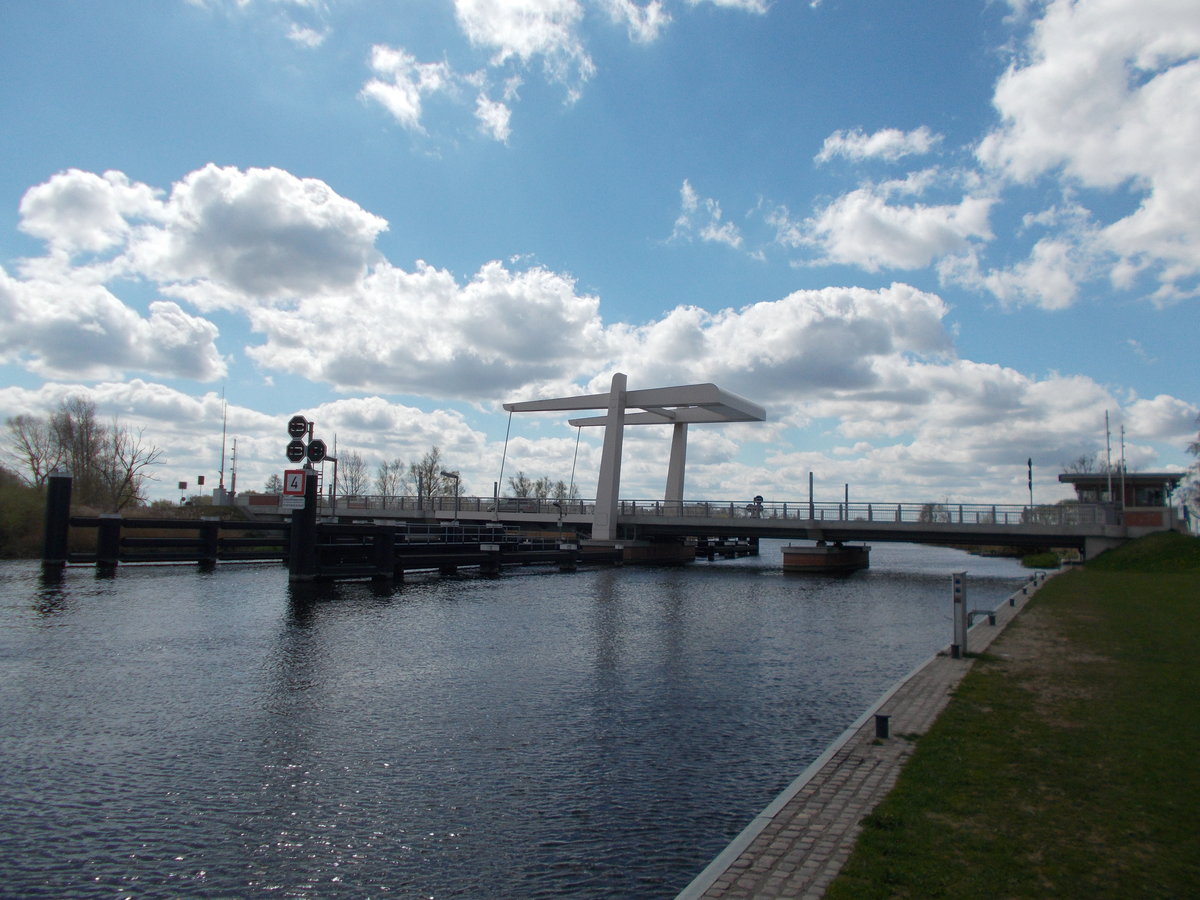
<point x="1041" y="561"/>
<point x="1067" y="763"/>
<point x="1167" y="551"/>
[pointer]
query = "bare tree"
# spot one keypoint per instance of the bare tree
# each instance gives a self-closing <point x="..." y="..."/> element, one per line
<point x="562" y="491"/>
<point x="426" y="476"/>
<point x="543" y="488"/>
<point x="33" y="447"/>
<point x="122" y="469"/>
<point x="82" y="441"/>
<point x="274" y="484"/>
<point x="521" y="485"/>
<point x="1089" y="464"/>
<point x="389" y="479"/>
<point x="352" y="473"/>
<point x="109" y="465"/>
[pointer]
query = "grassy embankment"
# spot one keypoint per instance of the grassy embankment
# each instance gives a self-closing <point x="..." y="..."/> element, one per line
<point x="1068" y="763"/>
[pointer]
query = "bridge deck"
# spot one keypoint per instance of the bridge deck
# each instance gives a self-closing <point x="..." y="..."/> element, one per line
<point x="1065" y="525"/>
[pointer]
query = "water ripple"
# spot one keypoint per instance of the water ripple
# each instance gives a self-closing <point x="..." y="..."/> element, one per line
<point x="603" y="734"/>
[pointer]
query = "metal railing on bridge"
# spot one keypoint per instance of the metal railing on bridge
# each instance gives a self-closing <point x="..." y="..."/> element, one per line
<point x="912" y="513"/>
<point x="535" y="505"/>
<point x="1064" y="514"/>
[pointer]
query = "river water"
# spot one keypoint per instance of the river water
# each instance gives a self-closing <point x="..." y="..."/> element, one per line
<point x="173" y="733"/>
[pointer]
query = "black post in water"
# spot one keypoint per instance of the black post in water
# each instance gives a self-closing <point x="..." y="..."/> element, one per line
<point x="302" y="550"/>
<point x="58" y="520"/>
<point x="383" y="553"/>
<point x="210" y="541"/>
<point x="108" y="542"/>
<point x="491" y="559"/>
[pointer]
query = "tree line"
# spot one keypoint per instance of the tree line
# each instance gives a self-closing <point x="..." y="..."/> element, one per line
<point x="426" y="478"/>
<point x="110" y="463"/>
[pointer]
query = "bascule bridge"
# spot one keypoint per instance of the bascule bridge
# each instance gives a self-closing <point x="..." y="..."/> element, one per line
<point x="677" y="406"/>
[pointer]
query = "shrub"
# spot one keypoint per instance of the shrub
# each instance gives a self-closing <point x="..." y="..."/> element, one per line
<point x="22" y="510"/>
<point x="1041" y="561"/>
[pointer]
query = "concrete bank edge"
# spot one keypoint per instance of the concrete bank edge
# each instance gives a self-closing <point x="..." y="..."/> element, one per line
<point x="703" y="881"/>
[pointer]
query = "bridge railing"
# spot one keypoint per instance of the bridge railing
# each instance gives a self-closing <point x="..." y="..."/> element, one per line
<point x="1058" y="515"/>
<point x="535" y="505"/>
<point x="912" y="513"/>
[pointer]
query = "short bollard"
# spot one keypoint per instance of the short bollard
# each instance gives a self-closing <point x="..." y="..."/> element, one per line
<point x="881" y="725"/>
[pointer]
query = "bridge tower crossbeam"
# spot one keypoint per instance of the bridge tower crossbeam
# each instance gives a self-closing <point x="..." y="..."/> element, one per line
<point x="678" y="406"/>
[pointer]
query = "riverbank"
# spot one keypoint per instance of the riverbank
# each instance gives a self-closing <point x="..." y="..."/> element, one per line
<point x="1065" y="765"/>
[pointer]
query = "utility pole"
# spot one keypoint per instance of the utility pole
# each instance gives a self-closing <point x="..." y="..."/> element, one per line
<point x="1108" y="455"/>
<point x="1122" y="466"/>
<point x="233" y="470"/>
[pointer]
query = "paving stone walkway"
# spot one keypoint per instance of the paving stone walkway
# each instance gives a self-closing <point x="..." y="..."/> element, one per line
<point x="798" y="844"/>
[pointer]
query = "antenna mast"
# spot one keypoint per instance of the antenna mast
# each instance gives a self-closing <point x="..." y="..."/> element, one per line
<point x="1108" y="455"/>
<point x="224" y="420"/>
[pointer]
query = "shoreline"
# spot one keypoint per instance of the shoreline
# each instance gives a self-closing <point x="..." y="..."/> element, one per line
<point x="797" y="845"/>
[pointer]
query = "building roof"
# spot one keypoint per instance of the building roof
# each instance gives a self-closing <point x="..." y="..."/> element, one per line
<point x="1141" y="478"/>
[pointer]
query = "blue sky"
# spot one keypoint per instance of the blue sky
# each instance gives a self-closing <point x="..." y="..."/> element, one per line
<point x="933" y="238"/>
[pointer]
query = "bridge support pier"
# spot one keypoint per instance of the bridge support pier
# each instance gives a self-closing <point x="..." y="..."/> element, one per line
<point x="1094" y="546"/>
<point x="491" y="559"/>
<point x="654" y="553"/>
<point x="604" y="526"/>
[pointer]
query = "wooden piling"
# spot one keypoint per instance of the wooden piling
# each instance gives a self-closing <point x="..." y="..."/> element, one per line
<point x="58" y="520"/>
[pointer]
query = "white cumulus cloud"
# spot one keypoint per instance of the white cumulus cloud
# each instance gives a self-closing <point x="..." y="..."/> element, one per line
<point x="888" y="144"/>
<point x="701" y="217"/>
<point x="865" y="228"/>
<point x="76" y="211"/>
<point x="423" y="332"/>
<point x="1101" y="97"/>
<point x="402" y="82"/>
<point x="259" y="233"/>
<point x="68" y="329"/>
<point x="644" y="23"/>
<point x="528" y="29"/>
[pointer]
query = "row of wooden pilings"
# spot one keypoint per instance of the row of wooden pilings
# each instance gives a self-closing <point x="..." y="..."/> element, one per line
<point x="312" y="550"/>
<point x="205" y="541"/>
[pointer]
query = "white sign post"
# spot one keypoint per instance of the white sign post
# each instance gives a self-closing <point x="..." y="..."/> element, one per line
<point x="293" y="489"/>
<point x="959" y="648"/>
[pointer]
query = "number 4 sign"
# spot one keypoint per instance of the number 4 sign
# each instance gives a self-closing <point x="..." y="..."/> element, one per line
<point x="293" y="482"/>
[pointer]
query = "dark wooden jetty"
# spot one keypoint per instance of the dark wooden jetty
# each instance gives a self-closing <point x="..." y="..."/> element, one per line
<point x="312" y="550"/>
<point x="728" y="547"/>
